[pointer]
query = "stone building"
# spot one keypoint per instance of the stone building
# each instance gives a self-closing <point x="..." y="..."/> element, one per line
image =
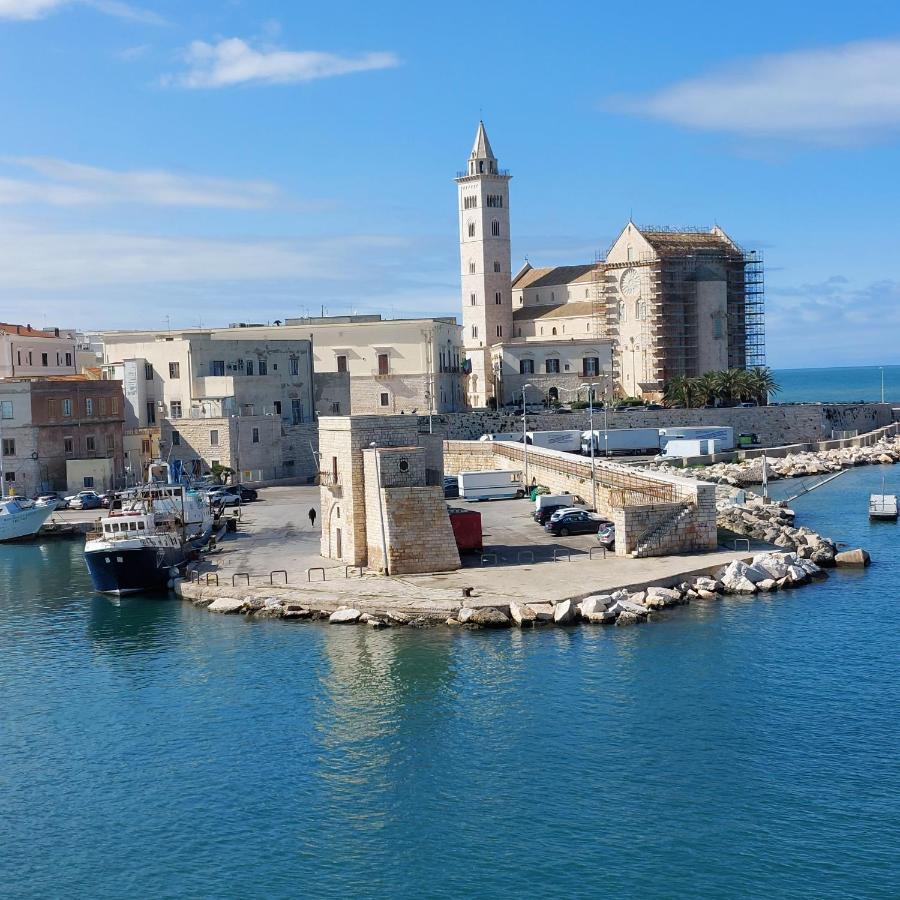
<point x="218" y="396"/>
<point x="662" y="302"/>
<point x="62" y="433"/>
<point x="382" y="498"/>
<point x="366" y="365"/>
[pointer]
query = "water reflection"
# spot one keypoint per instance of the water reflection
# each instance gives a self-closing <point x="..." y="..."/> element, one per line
<point x="128" y="625"/>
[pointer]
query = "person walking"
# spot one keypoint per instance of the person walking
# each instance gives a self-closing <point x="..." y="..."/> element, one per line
<point x="312" y="518"/>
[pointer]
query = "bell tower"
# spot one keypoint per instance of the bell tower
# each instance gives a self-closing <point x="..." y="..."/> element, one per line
<point x="483" y="191"/>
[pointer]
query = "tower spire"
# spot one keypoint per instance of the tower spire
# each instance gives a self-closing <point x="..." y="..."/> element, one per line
<point x="481" y="149"/>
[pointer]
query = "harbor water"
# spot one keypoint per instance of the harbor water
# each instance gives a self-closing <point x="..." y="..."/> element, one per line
<point x="850" y="384"/>
<point x="738" y="748"/>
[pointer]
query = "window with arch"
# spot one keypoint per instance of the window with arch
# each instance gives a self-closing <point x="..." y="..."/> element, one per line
<point x="496" y="267"/>
<point x="471" y="229"/>
<point x="495" y="228"/>
<point x="623" y="312"/>
<point x="630" y="252"/>
<point x="498" y="298"/>
<point x="474" y="331"/>
<point x="499" y="331"/>
<point x="470" y="202"/>
<point x="552" y="296"/>
<point x="471" y="266"/>
<point x="552" y="331"/>
<point x="639" y="310"/>
<point x="519" y="333"/>
<point x="551" y="366"/>
<point x="473" y="299"/>
<point x="588" y="327"/>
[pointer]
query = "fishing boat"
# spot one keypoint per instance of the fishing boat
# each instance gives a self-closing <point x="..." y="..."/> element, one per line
<point x="147" y="538"/>
<point x="21" y="519"/>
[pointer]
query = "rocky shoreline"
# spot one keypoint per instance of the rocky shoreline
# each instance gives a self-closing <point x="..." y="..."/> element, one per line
<point x="763" y="574"/>
<point x="824" y="462"/>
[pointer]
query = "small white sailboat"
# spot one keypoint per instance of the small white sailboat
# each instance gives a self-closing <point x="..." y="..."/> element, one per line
<point x="883" y="506"/>
<point x="20" y="518"/>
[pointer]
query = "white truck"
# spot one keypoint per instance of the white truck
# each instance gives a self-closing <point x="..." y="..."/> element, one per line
<point x="499" y="484"/>
<point x="619" y="441"/>
<point x="723" y="434"/>
<point x="567" y="441"/>
<point x="503" y="436"/>
<point x="543" y="500"/>
<point x="680" y="447"/>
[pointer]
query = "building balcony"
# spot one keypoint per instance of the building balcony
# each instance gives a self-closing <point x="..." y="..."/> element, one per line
<point x="332" y="483"/>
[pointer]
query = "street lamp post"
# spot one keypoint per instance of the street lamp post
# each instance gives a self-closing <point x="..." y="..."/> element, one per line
<point x="590" y="388"/>
<point x="525" y="433"/>
<point x="882" y="384"/>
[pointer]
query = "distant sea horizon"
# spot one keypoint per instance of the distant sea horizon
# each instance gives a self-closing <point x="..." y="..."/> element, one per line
<point x="837" y="384"/>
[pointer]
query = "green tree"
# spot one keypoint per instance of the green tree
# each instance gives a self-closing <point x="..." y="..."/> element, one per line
<point x="763" y="384"/>
<point x="683" y="391"/>
<point x="707" y="387"/>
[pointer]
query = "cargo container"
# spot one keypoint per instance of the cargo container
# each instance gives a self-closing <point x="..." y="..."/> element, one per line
<point x="619" y="441"/>
<point x="567" y="441"/>
<point x="723" y="434"/>
<point x="497" y="484"/>
<point x="503" y="436"/>
<point x="678" y="447"/>
<point x="466" y="524"/>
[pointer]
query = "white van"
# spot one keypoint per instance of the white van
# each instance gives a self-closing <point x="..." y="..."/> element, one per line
<point x="543" y="500"/>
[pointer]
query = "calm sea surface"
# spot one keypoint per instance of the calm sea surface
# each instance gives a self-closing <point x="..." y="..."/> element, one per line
<point x="744" y="748"/>
<point x="844" y="385"/>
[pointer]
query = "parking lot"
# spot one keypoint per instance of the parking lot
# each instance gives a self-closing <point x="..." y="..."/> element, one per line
<point x="511" y="533"/>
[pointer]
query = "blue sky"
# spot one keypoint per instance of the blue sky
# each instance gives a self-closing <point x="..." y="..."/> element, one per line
<point x="226" y="161"/>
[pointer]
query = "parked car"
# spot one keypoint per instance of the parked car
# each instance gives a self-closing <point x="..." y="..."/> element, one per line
<point x="85" y="500"/>
<point x="654" y="406"/>
<point x="606" y="536"/>
<point x="247" y="495"/>
<point x="575" y="522"/>
<point x="542" y="516"/>
<point x="223" y="496"/>
<point x="562" y="511"/>
<point x="451" y="487"/>
<point x="46" y="498"/>
<point x="108" y="498"/>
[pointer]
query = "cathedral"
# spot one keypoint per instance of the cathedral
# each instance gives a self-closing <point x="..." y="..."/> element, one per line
<point x="662" y="303"/>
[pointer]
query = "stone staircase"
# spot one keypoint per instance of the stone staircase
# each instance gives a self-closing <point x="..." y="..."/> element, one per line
<point x="654" y="537"/>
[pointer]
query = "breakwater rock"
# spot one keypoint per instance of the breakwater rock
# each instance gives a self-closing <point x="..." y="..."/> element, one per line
<point x="824" y="462"/>
<point x="774" y="523"/>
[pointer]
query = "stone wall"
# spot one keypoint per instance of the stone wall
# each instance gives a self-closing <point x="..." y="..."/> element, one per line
<point x="775" y="425"/>
<point x="655" y="513"/>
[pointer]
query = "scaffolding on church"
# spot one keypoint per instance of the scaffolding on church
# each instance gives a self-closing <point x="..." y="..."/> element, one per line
<point x="755" y="309"/>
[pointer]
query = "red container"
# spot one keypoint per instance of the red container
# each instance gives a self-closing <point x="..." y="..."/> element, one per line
<point x="466" y="525"/>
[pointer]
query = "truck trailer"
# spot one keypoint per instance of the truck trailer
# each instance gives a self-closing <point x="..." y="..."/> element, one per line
<point x="723" y="434"/>
<point x="496" y="484"/>
<point x="621" y="441"/>
<point x="567" y="441"/>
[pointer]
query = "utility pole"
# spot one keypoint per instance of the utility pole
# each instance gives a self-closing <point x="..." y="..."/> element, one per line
<point x="525" y="434"/>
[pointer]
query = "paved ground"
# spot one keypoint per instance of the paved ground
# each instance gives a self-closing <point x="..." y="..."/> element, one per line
<point x="274" y="533"/>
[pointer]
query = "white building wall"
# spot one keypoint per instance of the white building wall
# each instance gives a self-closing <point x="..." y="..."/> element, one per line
<point x="25" y="355"/>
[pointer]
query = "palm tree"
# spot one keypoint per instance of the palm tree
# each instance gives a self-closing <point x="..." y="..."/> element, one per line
<point x="729" y="385"/>
<point x="763" y="384"/>
<point x="707" y="387"/>
<point x="681" y="390"/>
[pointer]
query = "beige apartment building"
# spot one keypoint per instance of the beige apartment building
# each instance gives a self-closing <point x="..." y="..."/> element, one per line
<point x="209" y="396"/>
<point x="662" y="302"/>
<point x="26" y="352"/>
<point x="366" y="365"/>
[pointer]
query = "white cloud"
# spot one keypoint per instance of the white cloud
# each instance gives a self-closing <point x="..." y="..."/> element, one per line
<point x="233" y="61"/>
<point x="844" y="94"/>
<point x="37" y="258"/>
<point x="62" y="183"/>
<point x="28" y="10"/>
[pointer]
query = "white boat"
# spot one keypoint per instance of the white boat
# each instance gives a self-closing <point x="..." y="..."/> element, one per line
<point x="21" y="518"/>
<point x="883" y="506"/>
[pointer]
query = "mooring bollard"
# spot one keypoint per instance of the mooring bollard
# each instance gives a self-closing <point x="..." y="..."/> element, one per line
<point x="275" y="572"/>
<point x="312" y="569"/>
<point x="240" y="575"/>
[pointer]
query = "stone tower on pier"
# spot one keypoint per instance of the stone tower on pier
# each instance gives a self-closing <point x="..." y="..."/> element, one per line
<point x="484" y="263"/>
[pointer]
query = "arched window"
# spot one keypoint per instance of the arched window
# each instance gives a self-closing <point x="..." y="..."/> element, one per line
<point x="519" y="333"/>
<point x="638" y="310"/>
<point x="496" y="267"/>
<point x="471" y="229"/>
<point x="553" y="331"/>
<point x="495" y="228"/>
<point x="471" y="266"/>
<point x="553" y="395"/>
<point x="623" y="312"/>
<point x="588" y="327"/>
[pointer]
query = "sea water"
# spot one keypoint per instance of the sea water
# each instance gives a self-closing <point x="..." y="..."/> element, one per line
<point x="737" y="748"/>
<point x="838" y="385"/>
